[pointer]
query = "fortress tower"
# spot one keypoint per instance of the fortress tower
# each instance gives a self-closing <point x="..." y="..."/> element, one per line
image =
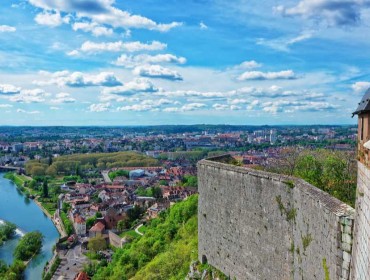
<point x="360" y="266"/>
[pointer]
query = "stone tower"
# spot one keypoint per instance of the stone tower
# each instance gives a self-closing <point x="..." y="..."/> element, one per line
<point x="360" y="266"/>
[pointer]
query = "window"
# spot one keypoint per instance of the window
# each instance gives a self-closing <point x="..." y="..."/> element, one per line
<point x="362" y="128"/>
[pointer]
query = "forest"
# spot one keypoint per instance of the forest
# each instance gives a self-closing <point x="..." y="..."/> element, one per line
<point x="80" y="163"/>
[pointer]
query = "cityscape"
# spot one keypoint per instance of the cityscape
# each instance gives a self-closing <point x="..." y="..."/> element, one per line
<point x="184" y="140"/>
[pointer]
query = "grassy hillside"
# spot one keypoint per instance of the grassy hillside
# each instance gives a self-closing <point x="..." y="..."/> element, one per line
<point x="74" y="164"/>
<point x="165" y="251"/>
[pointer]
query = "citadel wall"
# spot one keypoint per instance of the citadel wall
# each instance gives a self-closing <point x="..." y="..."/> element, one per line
<point x="262" y="226"/>
<point x="360" y="266"/>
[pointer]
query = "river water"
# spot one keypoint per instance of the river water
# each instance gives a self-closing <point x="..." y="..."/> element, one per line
<point x="18" y="209"/>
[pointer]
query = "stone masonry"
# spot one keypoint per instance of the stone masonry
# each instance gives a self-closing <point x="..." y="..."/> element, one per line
<point x="360" y="267"/>
<point x="255" y="225"/>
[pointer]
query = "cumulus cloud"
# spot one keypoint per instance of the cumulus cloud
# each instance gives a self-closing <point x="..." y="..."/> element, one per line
<point x="96" y="29"/>
<point x="251" y="64"/>
<point x="186" y="107"/>
<point x="7" y="28"/>
<point x="103" y="12"/>
<point x="140" y="85"/>
<point x="332" y="12"/>
<point x="93" y="48"/>
<point x="100" y="107"/>
<point x="157" y="71"/>
<point x="29" y="96"/>
<point x="220" y="107"/>
<point x="358" y="87"/>
<point x="9" y="89"/>
<point x="79" y="79"/>
<point x="63" y="97"/>
<point x="129" y="61"/>
<point x="147" y="105"/>
<point x="289" y="106"/>
<point x="136" y="107"/>
<point x="258" y="75"/>
<point x="51" y="19"/>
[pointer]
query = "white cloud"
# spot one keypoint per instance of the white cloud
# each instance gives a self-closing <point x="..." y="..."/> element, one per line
<point x="63" y="97"/>
<point x="136" y="86"/>
<point x="252" y="64"/>
<point x="73" y="53"/>
<point x="132" y="61"/>
<point x="258" y="75"/>
<point x="157" y="71"/>
<point x="100" y="107"/>
<point x="103" y="12"/>
<point x="290" y="106"/>
<point x="79" y="79"/>
<point x="186" y="107"/>
<point x="51" y="19"/>
<point x="136" y="107"/>
<point x="6" y="105"/>
<point x="147" y="105"/>
<point x="361" y="87"/>
<point x="54" y="108"/>
<point x="93" y="48"/>
<point x="9" y="89"/>
<point x="29" y="96"/>
<point x="332" y="12"/>
<point x="7" y="28"/>
<point x="202" y="25"/>
<point x="96" y="29"/>
<point x="28" y="112"/>
<point x="192" y="106"/>
<point x="284" y="44"/>
<point x="220" y="107"/>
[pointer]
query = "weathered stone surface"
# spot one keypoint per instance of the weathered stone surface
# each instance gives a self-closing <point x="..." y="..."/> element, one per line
<point x="360" y="265"/>
<point x="258" y="225"/>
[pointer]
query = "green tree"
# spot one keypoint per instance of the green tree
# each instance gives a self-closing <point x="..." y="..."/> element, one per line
<point x="29" y="245"/>
<point x="97" y="244"/>
<point x="310" y="169"/>
<point x="45" y="189"/>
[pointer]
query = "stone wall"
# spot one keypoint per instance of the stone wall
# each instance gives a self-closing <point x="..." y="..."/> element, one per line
<point x="360" y="267"/>
<point x="262" y="226"/>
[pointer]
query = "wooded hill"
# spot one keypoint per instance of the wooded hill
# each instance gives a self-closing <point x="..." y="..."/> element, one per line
<point x="78" y="163"/>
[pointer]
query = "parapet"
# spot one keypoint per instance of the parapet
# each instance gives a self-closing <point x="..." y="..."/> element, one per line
<point x="258" y="225"/>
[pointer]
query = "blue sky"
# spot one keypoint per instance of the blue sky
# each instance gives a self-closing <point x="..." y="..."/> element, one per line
<point x="146" y="62"/>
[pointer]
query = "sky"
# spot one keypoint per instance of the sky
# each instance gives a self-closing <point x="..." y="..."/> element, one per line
<point x="146" y="62"/>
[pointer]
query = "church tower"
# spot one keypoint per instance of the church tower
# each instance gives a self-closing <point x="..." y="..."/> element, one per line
<point x="360" y="267"/>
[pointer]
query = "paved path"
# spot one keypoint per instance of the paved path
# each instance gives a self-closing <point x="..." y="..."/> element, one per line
<point x="106" y="176"/>
<point x="72" y="263"/>
<point x="137" y="230"/>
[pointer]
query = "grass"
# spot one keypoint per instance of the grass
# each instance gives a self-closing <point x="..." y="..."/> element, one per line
<point x="50" y="207"/>
<point x="130" y="233"/>
<point x="143" y="229"/>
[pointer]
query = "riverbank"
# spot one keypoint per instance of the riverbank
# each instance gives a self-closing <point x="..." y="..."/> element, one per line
<point x="22" y="211"/>
<point x="20" y="183"/>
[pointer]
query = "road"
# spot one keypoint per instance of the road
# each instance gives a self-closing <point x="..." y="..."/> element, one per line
<point x="72" y="263"/>
<point x="137" y="230"/>
<point x="106" y="178"/>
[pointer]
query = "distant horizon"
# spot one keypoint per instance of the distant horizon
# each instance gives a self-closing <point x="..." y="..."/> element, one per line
<point x="173" y="62"/>
<point x="161" y="125"/>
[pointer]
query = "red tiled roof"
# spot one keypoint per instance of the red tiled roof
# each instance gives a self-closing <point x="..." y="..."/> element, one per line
<point x="99" y="226"/>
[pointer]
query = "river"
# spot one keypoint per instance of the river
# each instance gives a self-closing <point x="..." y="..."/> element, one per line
<point x="18" y="209"/>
